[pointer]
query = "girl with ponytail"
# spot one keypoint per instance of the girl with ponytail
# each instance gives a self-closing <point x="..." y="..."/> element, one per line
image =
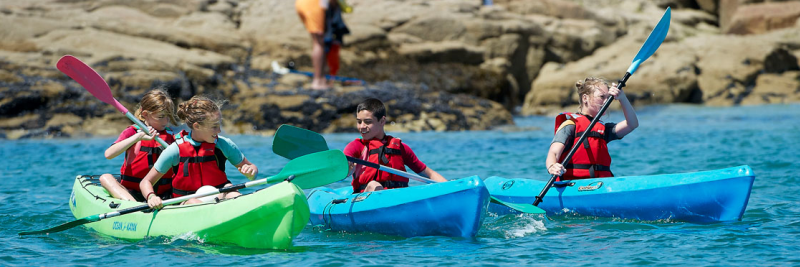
<point x="198" y="156"/>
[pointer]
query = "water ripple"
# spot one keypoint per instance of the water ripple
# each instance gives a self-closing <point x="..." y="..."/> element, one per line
<point x="38" y="177"/>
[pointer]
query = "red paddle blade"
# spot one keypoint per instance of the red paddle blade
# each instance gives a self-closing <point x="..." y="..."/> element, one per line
<point x="89" y="79"/>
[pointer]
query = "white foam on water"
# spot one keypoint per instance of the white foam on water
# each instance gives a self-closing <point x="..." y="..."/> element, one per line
<point x="189" y="236"/>
<point x="527" y="225"/>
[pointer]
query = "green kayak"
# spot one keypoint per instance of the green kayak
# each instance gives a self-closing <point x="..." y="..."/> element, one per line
<point x="268" y="218"/>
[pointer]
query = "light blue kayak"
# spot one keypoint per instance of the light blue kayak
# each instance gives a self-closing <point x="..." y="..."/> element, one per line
<point x="455" y="208"/>
<point x="699" y="197"/>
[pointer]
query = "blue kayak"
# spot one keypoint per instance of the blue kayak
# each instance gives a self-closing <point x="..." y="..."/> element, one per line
<point x="454" y="208"/>
<point x="699" y="197"/>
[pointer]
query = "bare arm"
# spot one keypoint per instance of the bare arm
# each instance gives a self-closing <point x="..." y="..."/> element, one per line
<point x="248" y="169"/>
<point x="114" y="150"/>
<point x="552" y="164"/>
<point x="430" y="173"/>
<point x="630" y="123"/>
<point x="352" y="169"/>
<point x="146" y="186"/>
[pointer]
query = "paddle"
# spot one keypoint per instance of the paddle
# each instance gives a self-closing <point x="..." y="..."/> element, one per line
<point x="89" y="79"/>
<point x="276" y="68"/>
<point x="308" y="171"/>
<point x="648" y="48"/>
<point x="291" y="142"/>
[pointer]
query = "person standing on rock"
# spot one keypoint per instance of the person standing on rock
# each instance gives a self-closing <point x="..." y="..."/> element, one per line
<point x="377" y="147"/>
<point x="156" y="110"/>
<point x="591" y="159"/>
<point x="312" y="13"/>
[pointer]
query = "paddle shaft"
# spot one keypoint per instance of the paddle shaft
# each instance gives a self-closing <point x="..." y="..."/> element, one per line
<point x="98" y="217"/>
<point x="390" y="170"/>
<point x="519" y="207"/>
<point x="144" y="128"/>
<point x="184" y="198"/>
<point x="580" y="141"/>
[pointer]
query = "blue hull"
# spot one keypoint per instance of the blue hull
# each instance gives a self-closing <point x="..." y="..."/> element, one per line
<point x="455" y="208"/>
<point x="699" y="197"/>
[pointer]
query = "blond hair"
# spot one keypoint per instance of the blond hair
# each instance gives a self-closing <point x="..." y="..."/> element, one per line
<point x="587" y="87"/>
<point x="155" y="101"/>
<point x="198" y="109"/>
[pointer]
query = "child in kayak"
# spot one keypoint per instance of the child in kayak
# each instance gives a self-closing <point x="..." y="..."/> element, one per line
<point x="141" y="149"/>
<point x="199" y="155"/>
<point x="591" y="159"/>
<point x="377" y="147"/>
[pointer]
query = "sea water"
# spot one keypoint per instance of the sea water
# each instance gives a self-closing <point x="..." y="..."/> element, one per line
<point x="37" y="178"/>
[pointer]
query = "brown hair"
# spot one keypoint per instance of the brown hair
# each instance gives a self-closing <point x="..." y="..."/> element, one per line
<point x="372" y="105"/>
<point x="198" y="109"/>
<point x="587" y="87"/>
<point x="154" y="101"/>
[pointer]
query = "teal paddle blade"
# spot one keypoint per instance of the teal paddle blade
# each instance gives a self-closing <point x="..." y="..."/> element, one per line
<point x="291" y="142"/>
<point x="524" y="208"/>
<point x="314" y="170"/>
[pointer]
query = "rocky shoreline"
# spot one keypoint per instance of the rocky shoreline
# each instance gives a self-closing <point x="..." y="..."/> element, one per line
<point x="446" y="65"/>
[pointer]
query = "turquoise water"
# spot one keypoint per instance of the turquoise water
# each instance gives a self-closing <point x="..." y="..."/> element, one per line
<point x="38" y="175"/>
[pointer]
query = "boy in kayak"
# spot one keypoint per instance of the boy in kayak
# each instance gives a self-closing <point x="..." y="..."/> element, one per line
<point x="199" y="155"/>
<point x="591" y="159"/>
<point x="141" y="149"/>
<point x="377" y="147"/>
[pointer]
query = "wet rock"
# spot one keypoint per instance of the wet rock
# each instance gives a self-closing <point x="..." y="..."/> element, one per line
<point x="763" y="17"/>
<point x="774" y="89"/>
<point x="446" y="52"/>
<point x="439" y="65"/>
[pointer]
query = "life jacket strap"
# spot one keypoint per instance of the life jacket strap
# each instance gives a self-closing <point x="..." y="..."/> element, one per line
<point x="151" y="150"/>
<point x="591" y="167"/>
<point x="162" y="181"/>
<point x="383" y="151"/>
<point x="198" y="159"/>
<point x="218" y="156"/>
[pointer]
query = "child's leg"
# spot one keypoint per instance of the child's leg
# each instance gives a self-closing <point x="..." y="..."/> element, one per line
<point x="115" y="188"/>
<point x="373" y="186"/>
<point x="229" y="195"/>
<point x="333" y="59"/>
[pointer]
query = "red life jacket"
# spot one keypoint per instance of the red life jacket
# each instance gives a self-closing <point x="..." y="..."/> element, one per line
<point x="146" y="152"/>
<point x="199" y="166"/>
<point x="591" y="159"/>
<point x="389" y="155"/>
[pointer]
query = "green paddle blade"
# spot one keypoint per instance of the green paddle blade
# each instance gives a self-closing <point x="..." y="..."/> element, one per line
<point x="65" y="226"/>
<point x="524" y="208"/>
<point x="291" y="142"/>
<point x="314" y="170"/>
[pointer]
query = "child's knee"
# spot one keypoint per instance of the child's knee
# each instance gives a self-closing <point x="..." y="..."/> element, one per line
<point x="374" y="186"/>
<point x="107" y="178"/>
